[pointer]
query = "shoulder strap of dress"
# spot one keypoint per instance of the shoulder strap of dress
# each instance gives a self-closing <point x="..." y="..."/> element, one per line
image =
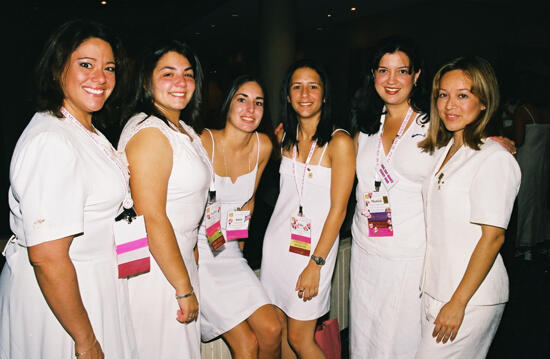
<point x="529" y="112"/>
<point x="258" y="145"/>
<point x="213" y="144"/>
<point x="326" y="145"/>
<point x="282" y="139"/>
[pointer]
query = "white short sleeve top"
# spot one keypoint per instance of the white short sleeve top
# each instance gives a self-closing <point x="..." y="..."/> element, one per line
<point x="474" y="188"/>
<point x="62" y="184"/>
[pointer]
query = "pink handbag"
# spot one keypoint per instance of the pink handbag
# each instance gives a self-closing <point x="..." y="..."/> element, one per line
<point x="327" y="336"/>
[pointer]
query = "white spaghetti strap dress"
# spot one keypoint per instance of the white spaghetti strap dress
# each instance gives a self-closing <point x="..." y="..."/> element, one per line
<point x="280" y="267"/>
<point x="152" y="302"/>
<point x="230" y="290"/>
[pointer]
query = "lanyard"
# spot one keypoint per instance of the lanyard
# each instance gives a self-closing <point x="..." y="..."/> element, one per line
<point x="394" y="144"/>
<point x="301" y="191"/>
<point x="109" y="152"/>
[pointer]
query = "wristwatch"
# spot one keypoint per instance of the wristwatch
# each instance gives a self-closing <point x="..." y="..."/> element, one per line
<point x="318" y="260"/>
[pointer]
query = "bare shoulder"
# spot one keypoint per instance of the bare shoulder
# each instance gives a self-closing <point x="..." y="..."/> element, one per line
<point x="341" y="139"/>
<point x="206" y="140"/>
<point x="265" y="147"/>
<point x="149" y="143"/>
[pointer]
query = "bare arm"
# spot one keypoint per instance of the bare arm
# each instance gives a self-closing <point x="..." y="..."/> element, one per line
<point x="450" y="317"/>
<point x="342" y="156"/>
<point x="150" y="162"/>
<point x="58" y="282"/>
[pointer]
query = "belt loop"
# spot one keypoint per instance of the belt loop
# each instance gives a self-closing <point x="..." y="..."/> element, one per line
<point x="12" y="240"/>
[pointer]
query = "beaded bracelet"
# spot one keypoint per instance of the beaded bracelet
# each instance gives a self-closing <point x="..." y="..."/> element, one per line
<point x="185" y="295"/>
<point x="86" y="351"/>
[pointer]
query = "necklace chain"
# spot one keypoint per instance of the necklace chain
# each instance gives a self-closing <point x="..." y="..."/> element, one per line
<point x="227" y="173"/>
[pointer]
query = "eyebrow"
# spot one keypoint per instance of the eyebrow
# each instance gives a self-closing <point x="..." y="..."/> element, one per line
<point x="93" y="58"/>
<point x="307" y="82"/>
<point x="173" y="68"/>
<point x="245" y="95"/>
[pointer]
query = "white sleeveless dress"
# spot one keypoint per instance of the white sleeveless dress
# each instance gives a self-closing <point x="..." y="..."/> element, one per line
<point x="152" y="302"/>
<point x="385" y="272"/>
<point x="230" y="290"/>
<point x="280" y="267"/>
<point x="62" y="184"/>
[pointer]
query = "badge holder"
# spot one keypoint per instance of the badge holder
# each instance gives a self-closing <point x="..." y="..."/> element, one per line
<point x="212" y="218"/>
<point x="132" y="246"/>
<point x="300" y="234"/>
<point x="237" y="225"/>
<point x="378" y="212"/>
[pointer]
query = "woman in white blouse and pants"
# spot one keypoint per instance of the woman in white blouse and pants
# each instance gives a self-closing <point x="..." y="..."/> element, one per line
<point x="468" y="200"/>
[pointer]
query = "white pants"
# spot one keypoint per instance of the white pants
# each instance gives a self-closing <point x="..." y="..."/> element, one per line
<point x="474" y="337"/>
<point x="384" y="306"/>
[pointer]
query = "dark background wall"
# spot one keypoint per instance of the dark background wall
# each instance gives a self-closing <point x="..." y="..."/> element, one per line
<point x="513" y="35"/>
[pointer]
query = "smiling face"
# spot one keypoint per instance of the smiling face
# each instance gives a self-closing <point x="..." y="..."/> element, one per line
<point x="306" y="93"/>
<point x="173" y="84"/>
<point x="393" y="79"/>
<point x="88" y="78"/>
<point x="456" y="103"/>
<point x="247" y="107"/>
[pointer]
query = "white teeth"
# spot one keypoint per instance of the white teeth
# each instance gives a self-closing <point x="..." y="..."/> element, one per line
<point x="94" y="91"/>
<point x="178" y="94"/>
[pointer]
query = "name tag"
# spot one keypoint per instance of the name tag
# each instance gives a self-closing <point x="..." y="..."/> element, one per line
<point x="237" y="225"/>
<point x="387" y="175"/>
<point x="378" y="213"/>
<point x="213" y="226"/>
<point x="300" y="235"/>
<point x="132" y="247"/>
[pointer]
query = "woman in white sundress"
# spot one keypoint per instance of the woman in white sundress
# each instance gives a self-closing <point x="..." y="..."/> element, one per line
<point x="169" y="177"/>
<point x="60" y="295"/>
<point x="233" y="301"/>
<point x="317" y="173"/>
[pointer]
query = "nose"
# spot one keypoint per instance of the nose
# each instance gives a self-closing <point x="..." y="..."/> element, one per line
<point x="99" y="75"/>
<point x="181" y="80"/>
<point x="250" y="106"/>
<point x="391" y="76"/>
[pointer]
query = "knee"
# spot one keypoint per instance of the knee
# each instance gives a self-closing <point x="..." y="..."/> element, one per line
<point x="270" y="333"/>
<point x="247" y="347"/>
<point x="296" y="339"/>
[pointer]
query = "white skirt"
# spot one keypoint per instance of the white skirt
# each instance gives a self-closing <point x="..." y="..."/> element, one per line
<point x="230" y="290"/>
<point x="384" y="306"/>
<point x="474" y="337"/>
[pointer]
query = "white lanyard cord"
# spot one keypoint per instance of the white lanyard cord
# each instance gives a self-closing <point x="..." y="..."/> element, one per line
<point x="395" y="141"/>
<point x="301" y="191"/>
<point x="111" y="156"/>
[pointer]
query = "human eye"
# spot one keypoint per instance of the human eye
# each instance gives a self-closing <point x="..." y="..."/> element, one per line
<point x="381" y="70"/>
<point x="110" y="68"/>
<point x="241" y="99"/>
<point x="404" y="72"/>
<point x="462" y="95"/>
<point x="190" y="75"/>
<point x="167" y="74"/>
<point x="260" y="103"/>
<point x="441" y="95"/>
<point x="295" y="87"/>
<point x="85" y="64"/>
<point x="314" y="86"/>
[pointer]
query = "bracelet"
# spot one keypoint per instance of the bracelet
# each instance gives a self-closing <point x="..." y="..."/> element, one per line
<point x="86" y="351"/>
<point x="185" y="295"/>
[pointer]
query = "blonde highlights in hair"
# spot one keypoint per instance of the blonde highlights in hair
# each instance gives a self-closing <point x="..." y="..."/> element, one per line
<point x="484" y="87"/>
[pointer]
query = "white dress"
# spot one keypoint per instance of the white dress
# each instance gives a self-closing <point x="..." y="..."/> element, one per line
<point x="534" y="194"/>
<point x="280" y="267"/>
<point x="230" y="290"/>
<point x="385" y="272"/>
<point x="152" y="302"/>
<point x="63" y="184"/>
<point x="474" y="188"/>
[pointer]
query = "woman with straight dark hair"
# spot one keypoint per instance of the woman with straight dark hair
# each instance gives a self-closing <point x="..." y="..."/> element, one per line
<point x="468" y="199"/>
<point x="233" y="302"/>
<point x="169" y="177"/>
<point x="59" y="292"/>
<point x="388" y="225"/>
<point x="301" y="241"/>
